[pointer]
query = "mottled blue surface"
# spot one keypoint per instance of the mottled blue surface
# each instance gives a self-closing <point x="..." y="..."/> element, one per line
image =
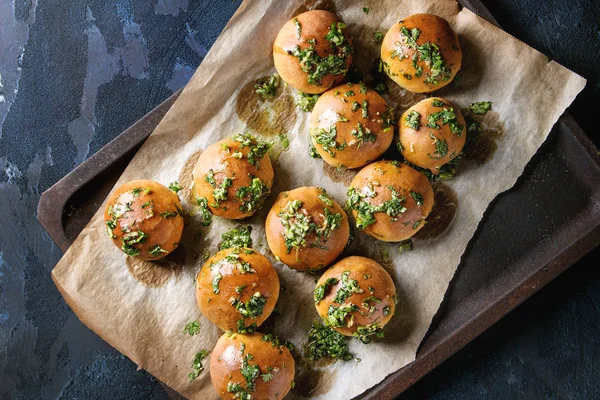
<point x="76" y="73"/>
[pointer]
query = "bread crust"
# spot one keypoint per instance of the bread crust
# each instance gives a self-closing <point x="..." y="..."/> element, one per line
<point x="214" y="295"/>
<point x="224" y="160"/>
<point x="377" y="178"/>
<point x="314" y="24"/>
<point x="397" y="55"/>
<point x="228" y="357"/>
<point x="421" y="146"/>
<point x="142" y="214"/>
<point x="376" y="302"/>
<point x="341" y="109"/>
<point x="317" y="252"/>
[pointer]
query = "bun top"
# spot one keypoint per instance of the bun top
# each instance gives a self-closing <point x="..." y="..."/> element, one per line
<point x="421" y="53"/>
<point x="306" y="229"/>
<point x="235" y="176"/>
<point x="431" y="133"/>
<point x="312" y="51"/>
<point x="254" y="365"/>
<point x="390" y="200"/>
<point x="356" y="297"/>
<point x="144" y="219"/>
<point x="351" y="125"/>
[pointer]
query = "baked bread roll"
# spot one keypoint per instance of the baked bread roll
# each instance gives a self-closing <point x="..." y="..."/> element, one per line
<point x="144" y="219"/>
<point x="306" y="229"/>
<point x="351" y="126"/>
<point x="356" y="297"/>
<point x="431" y="133"/>
<point x="421" y="53"/>
<point x="235" y="175"/>
<point x="390" y="200"/>
<point x="254" y="366"/>
<point x="312" y="51"/>
<point x="237" y="289"/>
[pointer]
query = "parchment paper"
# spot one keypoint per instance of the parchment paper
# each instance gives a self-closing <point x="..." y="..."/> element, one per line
<point x="141" y="309"/>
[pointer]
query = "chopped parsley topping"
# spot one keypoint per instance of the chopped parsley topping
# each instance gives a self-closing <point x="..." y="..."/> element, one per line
<point x="324" y="197"/>
<point x="111" y="224"/>
<point x="377" y="37"/>
<point x="363" y="333"/>
<point x="349" y="93"/>
<point x="252" y="196"/>
<point x="355" y="106"/>
<point x="284" y="140"/>
<point x="363" y="134"/>
<point x="169" y="214"/>
<point x="480" y="107"/>
<point x="306" y="101"/>
<point x="365" y="109"/>
<point x="348" y="287"/>
<point x="326" y="138"/>
<point x="243" y="329"/>
<point x="336" y="316"/>
<point x="324" y="342"/>
<point x="363" y="88"/>
<point x="258" y="148"/>
<point x="365" y="210"/>
<point x="174" y="186"/>
<point x="129" y="241"/>
<point x="441" y="147"/>
<point x="197" y="364"/>
<point x="238" y="391"/>
<point x="417" y="197"/>
<point x="298" y="28"/>
<point x="438" y="103"/>
<point x="312" y="151"/>
<point x="445" y="116"/>
<point x="321" y="290"/>
<point x="267" y="87"/>
<point x="136" y="191"/>
<point x="298" y="225"/>
<point x="428" y="52"/>
<point x="192" y="328"/>
<point x="156" y="251"/>
<point x="220" y="190"/>
<point x="240" y="289"/>
<point x="215" y="283"/>
<point x="405" y="245"/>
<point x="387" y="118"/>
<point x="413" y="120"/>
<point x="251" y="308"/>
<point x="205" y="214"/>
<point x="334" y="63"/>
<point x="237" y="237"/>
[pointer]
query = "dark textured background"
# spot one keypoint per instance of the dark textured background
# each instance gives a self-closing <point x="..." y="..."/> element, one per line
<point x="76" y="73"/>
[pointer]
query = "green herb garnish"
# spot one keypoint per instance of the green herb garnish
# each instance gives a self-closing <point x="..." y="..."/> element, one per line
<point x="284" y="140"/>
<point x="258" y="148"/>
<point x="174" y="186"/>
<point x="237" y="237"/>
<point x="306" y="101"/>
<point x="365" y="210"/>
<point x="197" y="367"/>
<point x="156" y="251"/>
<point x="441" y="147"/>
<point x="252" y="196"/>
<point x="324" y="342"/>
<point x="413" y="120"/>
<point x="326" y="138"/>
<point x="446" y="116"/>
<point x="298" y="28"/>
<point x="267" y="87"/>
<point x="192" y="328"/>
<point x="480" y="107"/>
<point x="169" y="214"/>
<point x="363" y="333"/>
<point x="348" y="287"/>
<point x="205" y="214"/>
<point x="377" y="37"/>
<point x="321" y="290"/>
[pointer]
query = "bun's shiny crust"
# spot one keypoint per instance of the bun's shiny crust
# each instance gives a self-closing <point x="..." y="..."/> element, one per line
<point x="313" y="25"/>
<point x="322" y="245"/>
<point x="374" y="296"/>
<point x="427" y="147"/>
<point x="398" y="50"/>
<point x="226" y="276"/>
<point x="235" y="352"/>
<point x="361" y="134"/>
<point x="228" y="158"/>
<point x="373" y="185"/>
<point x="143" y="219"/>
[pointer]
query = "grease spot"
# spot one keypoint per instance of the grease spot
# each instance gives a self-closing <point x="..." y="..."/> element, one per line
<point x="442" y="214"/>
<point x="267" y="117"/>
<point x="311" y="381"/>
<point x="186" y="179"/>
<point x="153" y="274"/>
<point x="344" y="176"/>
<point x="402" y="97"/>
<point x="481" y="148"/>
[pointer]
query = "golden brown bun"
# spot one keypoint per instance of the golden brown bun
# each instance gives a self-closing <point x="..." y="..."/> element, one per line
<point x="235" y="352"/>
<point x="427" y="147"/>
<point x="141" y="215"/>
<point x="318" y="250"/>
<point x="377" y="178"/>
<point x="235" y="284"/>
<point x="376" y="301"/>
<point x="334" y="107"/>
<point x="222" y="158"/>
<point x="314" y="25"/>
<point x="397" y="54"/>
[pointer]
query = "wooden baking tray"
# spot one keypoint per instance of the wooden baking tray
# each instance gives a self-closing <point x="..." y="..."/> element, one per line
<point x="528" y="236"/>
